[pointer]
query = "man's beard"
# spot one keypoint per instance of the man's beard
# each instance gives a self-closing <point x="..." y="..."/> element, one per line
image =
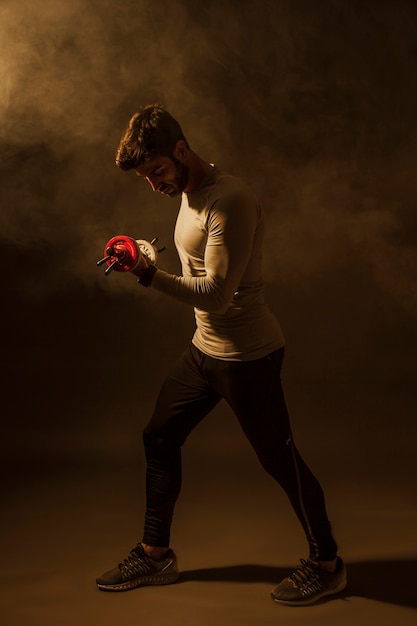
<point x="181" y="178"/>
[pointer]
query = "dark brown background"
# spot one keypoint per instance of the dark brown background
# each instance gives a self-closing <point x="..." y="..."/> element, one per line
<point x="314" y="104"/>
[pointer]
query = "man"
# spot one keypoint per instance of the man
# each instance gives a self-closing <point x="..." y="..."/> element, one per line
<point x="236" y="355"/>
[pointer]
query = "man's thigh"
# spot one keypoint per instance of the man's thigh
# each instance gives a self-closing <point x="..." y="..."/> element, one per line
<point x="184" y="400"/>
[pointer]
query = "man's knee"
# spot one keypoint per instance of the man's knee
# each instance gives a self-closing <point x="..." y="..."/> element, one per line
<point x="156" y="440"/>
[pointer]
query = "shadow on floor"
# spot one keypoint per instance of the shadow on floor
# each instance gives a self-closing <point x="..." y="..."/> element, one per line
<point x="384" y="581"/>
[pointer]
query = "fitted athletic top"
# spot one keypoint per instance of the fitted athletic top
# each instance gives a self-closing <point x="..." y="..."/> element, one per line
<point x="218" y="235"/>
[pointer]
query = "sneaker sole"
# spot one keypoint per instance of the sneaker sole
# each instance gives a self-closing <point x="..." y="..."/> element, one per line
<point x="165" y="579"/>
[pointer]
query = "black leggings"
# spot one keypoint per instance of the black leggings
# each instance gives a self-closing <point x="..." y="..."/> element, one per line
<point x="254" y="392"/>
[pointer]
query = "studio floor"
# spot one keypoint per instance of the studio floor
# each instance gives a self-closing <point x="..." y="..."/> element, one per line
<point x="235" y="537"/>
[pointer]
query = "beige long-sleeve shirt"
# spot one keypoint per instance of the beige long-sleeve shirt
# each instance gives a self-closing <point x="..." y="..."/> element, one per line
<point x="218" y="235"/>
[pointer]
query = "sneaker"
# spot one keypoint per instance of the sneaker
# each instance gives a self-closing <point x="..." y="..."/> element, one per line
<point x="139" y="569"/>
<point x="309" y="583"/>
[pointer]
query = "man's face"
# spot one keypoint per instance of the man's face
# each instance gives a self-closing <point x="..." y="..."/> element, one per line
<point x="165" y="174"/>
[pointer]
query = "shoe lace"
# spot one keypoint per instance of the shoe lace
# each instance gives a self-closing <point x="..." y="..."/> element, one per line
<point x="137" y="563"/>
<point x="307" y="577"/>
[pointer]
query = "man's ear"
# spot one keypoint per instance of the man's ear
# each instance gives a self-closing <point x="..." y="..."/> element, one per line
<point x="181" y="151"/>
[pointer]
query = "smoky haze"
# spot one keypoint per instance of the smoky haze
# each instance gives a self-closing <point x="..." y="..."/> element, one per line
<point x="313" y="103"/>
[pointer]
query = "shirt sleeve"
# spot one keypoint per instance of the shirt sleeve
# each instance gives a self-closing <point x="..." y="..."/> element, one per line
<point x="231" y="226"/>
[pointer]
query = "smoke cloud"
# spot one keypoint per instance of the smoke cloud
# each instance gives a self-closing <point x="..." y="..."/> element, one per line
<point x="312" y="103"/>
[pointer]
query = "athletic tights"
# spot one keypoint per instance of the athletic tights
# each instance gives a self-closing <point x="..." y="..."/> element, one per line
<point x="253" y="390"/>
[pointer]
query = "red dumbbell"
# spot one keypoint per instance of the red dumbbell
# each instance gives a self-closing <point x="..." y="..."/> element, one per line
<point x="123" y="253"/>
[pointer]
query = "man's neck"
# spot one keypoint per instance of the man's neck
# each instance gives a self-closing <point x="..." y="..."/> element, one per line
<point x="198" y="170"/>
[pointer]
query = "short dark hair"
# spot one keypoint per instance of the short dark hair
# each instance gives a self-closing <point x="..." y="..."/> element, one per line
<point x="151" y="132"/>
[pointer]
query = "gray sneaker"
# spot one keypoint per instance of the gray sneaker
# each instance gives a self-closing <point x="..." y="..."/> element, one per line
<point x="138" y="570"/>
<point x="309" y="583"/>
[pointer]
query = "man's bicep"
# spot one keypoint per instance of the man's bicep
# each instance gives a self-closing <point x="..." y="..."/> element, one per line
<point x="230" y="241"/>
